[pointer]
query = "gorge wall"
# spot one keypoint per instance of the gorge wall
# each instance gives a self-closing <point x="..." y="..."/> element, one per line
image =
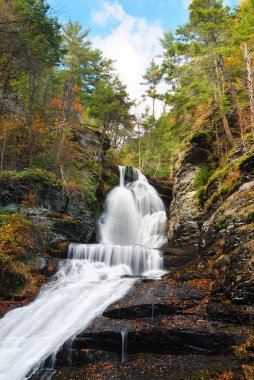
<point x="39" y="216"/>
<point x="217" y="218"/>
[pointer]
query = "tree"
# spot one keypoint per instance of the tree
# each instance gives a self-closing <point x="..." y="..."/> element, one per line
<point x="111" y="107"/>
<point x="243" y="35"/>
<point x="194" y="60"/>
<point x="26" y="31"/>
<point x="153" y="77"/>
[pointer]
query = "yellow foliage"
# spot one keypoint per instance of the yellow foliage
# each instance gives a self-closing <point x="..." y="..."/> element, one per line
<point x="16" y="236"/>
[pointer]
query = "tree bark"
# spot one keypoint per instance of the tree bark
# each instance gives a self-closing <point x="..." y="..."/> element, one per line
<point x="3" y="149"/>
<point x="241" y="119"/>
<point x="250" y="84"/>
<point x="218" y="98"/>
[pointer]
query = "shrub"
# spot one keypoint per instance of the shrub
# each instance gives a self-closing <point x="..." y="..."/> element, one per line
<point x="29" y="176"/>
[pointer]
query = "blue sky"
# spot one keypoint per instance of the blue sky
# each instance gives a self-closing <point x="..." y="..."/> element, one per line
<point x="169" y="13"/>
<point x="127" y="31"/>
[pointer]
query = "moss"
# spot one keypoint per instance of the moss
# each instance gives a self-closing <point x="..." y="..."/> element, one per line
<point x="214" y="198"/>
<point x="201" y="195"/>
<point x="19" y="239"/>
<point x="200" y="138"/>
<point x="12" y="278"/>
<point x="218" y="175"/>
<point x="29" y="176"/>
<point x="250" y="217"/>
<point x="202" y="176"/>
<point x="228" y="190"/>
<point x="66" y="223"/>
<point x="246" y="162"/>
<point x="223" y="221"/>
<point x="4" y="211"/>
<point x="17" y="235"/>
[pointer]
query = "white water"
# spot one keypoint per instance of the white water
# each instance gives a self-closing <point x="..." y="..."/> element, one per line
<point x="92" y="278"/>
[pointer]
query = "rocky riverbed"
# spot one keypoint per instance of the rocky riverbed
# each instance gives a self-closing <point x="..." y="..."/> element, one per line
<point x="160" y="330"/>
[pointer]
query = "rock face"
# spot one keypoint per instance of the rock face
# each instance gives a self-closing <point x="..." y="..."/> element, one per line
<point x="222" y="229"/>
<point x="39" y="208"/>
<point x="164" y="188"/>
<point x="160" y="330"/>
<point x="227" y="245"/>
<point x="185" y="216"/>
<point x="88" y="139"/>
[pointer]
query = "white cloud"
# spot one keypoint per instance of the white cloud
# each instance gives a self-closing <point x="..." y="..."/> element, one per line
<point x="186" y="3"/>
<point x="132" y="43"/>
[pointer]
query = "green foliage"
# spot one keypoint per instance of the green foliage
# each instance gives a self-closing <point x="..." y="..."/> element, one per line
<point x="4" y="212"/>
<point x="30" y="176"/>
<point x="250" y="217"/>
<point x="219" y="175"/>
<point x="45" y="161"/>
<point x="82" y="184"/>
<point x="153" y="146"/>
<point x="246" y="162"/>
<point x="202" y="176"/>
<point x="200" y="182"/>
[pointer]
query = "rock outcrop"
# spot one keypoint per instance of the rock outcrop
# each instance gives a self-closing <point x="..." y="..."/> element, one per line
<point x="185" y="216"/>
<point x="227" y="247"/>
<point x="47" y="214"/>
<point x="159" y="329"/>
<point x="219" y="224"/>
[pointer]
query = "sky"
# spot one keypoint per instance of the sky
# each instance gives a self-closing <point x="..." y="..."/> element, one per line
<point x="127" y="31"/>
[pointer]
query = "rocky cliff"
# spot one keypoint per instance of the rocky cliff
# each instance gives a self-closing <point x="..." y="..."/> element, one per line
<point x="40" y="214"/>
<point x="217" y="217"/>
<point x="185" y="216"/>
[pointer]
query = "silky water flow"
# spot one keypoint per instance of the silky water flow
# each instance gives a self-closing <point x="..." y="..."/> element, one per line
<point x="132" y="228"/>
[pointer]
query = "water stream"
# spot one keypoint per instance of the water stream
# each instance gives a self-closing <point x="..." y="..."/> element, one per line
<point x="132" y="228"/>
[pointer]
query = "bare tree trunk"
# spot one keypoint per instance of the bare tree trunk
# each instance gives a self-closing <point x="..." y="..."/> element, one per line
<point x="153" y="107"/>
<point x="241" y="119"/>
<point x="217" y="139"/>
<point x="64" y="127"/>
<point x="139" y="147"/>
<point x="157" y="168"/>
<point x="3" y="149"/>
<point x="218" y="98"/>
<point x="102" y="141"/>
<point x="145" y="162"/>
<point x="247" y="57"/>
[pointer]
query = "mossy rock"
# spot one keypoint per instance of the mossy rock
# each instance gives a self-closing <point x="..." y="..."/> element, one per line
<point x="246" y="163"/>
<point x="19" y="186"/>
<point x="13" y="277"/>
<point x="250" y="217"/>
<point x="200" y="138"/>
<point x="59" y="250"/>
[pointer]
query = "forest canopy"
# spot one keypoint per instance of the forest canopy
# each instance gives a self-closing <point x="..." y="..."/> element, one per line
<point x="206" y="65"/>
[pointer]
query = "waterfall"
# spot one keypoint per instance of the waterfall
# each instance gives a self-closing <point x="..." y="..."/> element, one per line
<point x="132" y="229"/>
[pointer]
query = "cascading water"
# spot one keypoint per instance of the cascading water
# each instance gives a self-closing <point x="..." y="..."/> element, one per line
<point x="132" y="228"/>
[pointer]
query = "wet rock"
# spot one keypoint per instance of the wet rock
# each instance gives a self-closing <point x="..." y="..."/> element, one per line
<point x="164" y="187"/>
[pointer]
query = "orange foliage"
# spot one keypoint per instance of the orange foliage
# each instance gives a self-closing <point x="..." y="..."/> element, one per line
<point x="17" y="236"/>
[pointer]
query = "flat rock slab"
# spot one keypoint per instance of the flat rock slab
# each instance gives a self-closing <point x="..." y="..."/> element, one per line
<point x="159" y="330"/>
<point x="151" y="367"/>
